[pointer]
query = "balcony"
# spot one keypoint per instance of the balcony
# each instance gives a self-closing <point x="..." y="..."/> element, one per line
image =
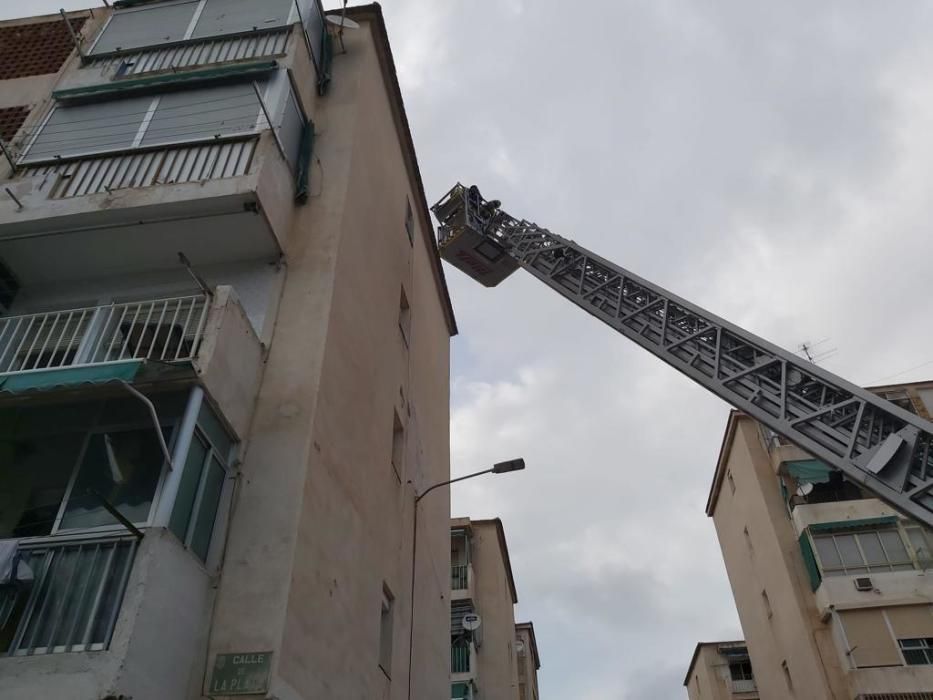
<point x="460" y="658"/>
<point x="744" y="686"/>
<point x="67" y="597"/>
<point x="207" y="338"/>
<point x="119" y="177"/>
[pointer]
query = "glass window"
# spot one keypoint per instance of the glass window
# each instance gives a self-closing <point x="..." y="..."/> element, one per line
<point x="124" y="468"/>
<point x="188" y="487"/>
<point x="826" y="549"/>
<point x="862" y="551"/>
<point x="207" y="509"/>
<point x="34" y="474"/>
<point x="194" y="515"/>
<point x="848" y="550"/>
<point x="917" y="652"/>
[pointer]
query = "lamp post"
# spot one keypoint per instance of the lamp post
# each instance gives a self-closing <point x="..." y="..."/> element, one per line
<point x="512" y="465"/>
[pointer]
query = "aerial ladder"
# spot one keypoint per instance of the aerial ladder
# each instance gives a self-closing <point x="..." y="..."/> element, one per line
<point x="876" y="444"/>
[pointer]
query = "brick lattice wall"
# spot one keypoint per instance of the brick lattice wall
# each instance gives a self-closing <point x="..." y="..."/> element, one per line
<point x="35" y="49"/>
<point x="11" y="119"/>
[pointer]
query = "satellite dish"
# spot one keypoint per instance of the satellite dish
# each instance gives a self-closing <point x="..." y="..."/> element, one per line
<point x="342" y="22"/>
<point x="805" y="489"/>
<point x="471" y="622"/>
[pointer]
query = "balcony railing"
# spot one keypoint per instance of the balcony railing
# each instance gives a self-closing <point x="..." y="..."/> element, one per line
<point x="744" y="686"/>
<point x="166" y="330"/>
<point x="459" y="658"/>
<point x="71" y="599"/>
<point x="459" y="577"/>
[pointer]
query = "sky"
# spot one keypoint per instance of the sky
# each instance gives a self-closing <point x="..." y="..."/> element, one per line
<point x="771" y="162"/>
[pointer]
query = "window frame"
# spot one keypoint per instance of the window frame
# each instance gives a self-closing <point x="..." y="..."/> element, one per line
<point x="56" y="533"/>
<point x="865" y="568"/>
<point x="925" y="646"/>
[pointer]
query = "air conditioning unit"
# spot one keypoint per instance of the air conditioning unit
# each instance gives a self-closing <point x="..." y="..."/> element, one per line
<point x="863" y="583"/>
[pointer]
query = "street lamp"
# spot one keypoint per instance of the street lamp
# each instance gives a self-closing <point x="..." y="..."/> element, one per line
<point x="511" y="465"/>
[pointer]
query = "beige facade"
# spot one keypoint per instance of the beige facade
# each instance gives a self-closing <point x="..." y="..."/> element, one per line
<point x="299" y="369"/>
<point x="526" y="649"/>
<point x="830" y="584"/>
<point x="485" y="663"/>
<point x="721" y="671"/>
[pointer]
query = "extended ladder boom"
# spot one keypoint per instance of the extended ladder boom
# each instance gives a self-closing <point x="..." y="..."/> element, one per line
<point x="874" y="443"/>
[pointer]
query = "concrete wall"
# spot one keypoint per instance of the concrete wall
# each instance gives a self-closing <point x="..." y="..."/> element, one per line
<point x="814" y="633"/>
<point x="321" y="507"/>
<point x="777" y="610"/>
<point x="157" y="646"/>
<point x="527" y="670"/>
<point x="496" y="663"/>
<point x="709" y="677"/>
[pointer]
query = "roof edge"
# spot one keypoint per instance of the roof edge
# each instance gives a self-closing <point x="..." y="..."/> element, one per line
<point x="504" y="549"/>
<point x="373" y="14"/>
<point x="534" y="642"/>
<point x="727" y="440"/>
<point x="696" y="653"/>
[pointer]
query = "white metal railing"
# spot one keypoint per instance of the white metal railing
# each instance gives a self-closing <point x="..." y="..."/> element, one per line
<point x="71" y="599"/>
<point x="459" y="577"/>
<point x="166" y="330"/>
<point x="744" y="686"/>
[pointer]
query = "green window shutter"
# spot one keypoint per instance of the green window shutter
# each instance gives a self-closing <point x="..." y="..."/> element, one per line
<point x="303" y="166"/>
<point x="809" y="561"/>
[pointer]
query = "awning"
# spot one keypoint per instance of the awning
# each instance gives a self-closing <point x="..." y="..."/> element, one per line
<point x="811" y="471"/>
<point x="70" y="376"/>
<point x="127" y="88"/>
<point x="838" y="525"/>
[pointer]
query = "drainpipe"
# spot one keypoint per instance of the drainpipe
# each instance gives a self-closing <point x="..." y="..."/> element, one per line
<point x="173" y="480"/>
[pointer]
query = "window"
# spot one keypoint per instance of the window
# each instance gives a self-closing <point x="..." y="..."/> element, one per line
<point x="917" y="652"/>
<point x="731" y="481"/>
<point x="385" y="631"/>
<point x="398" y="446"/>
<point x="787" y="679"/>
<point x="767" y="603"/>
<point x="741" y="670"/>
<point x="404" y="317"/>
<point x="748" y="541"/>
<point x="921" y="540"/>
<point x="409" y="222"/>
<point x="199" y="494"/>
<point x="862" y="552"/>
<point x="9" y="286"/>
<point x="56" y="460"/>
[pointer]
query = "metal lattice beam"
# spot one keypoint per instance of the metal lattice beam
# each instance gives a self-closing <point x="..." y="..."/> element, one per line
<point x="882" y="447"/>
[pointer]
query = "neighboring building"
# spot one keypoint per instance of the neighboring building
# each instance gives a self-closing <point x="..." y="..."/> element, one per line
<point x="262" y="420"/>
<point x="485" y="662"/>
<point x="831" y="584"/>
<point x="526" y="650"/>
<point x="721" y="671"/>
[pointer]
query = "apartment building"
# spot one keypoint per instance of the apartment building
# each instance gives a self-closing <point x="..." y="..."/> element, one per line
<point x="721" y="671"/>
<point x="224" y="359"/>
<point x="490" y="656"/>
<point x="831" y="585"/>
<point x="526" y="651"/>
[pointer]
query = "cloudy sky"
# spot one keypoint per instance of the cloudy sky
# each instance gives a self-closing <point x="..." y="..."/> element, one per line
<point x="771" y="162"/>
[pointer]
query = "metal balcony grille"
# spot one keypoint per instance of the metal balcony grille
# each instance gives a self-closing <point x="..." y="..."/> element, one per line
<point x="73" y="600"/>
<point x="459" y="658"/>
<point x="175" y="165"/>
<point x="744" y="686"/>
<point x="166" y="330"/>
<point x="458" y="577"/>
